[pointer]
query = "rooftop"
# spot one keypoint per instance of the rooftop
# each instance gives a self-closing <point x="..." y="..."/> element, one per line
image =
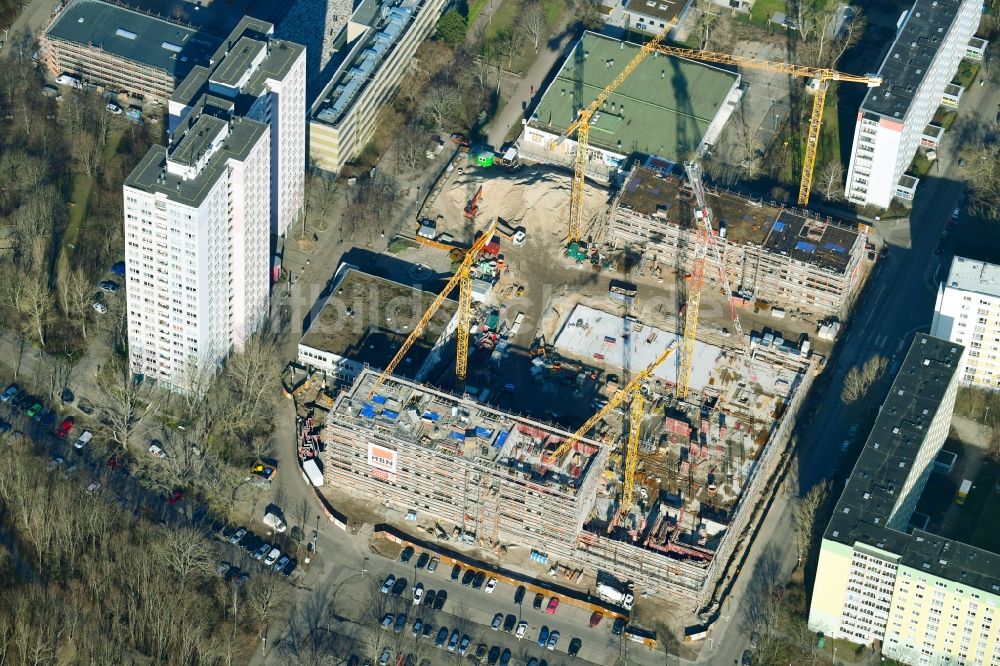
<point x="664" y="10"/>
<point x="137" y="37"/>
<point x="151" y="173"/>
<point x="795" y="233"/>
<point x="917" y="42"/>
<point x="976" y="276"/>
<point x="366" y="319"/>
<point x="446" y="424"/>
<point x="664" y="108"/>
<point x="872" y="492"/>
<point x="230" y="61"/>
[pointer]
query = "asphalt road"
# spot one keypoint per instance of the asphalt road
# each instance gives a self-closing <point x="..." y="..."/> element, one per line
<point x="899" y="303"/>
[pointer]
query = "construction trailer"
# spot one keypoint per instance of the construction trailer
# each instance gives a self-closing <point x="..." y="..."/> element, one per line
<point x="789" y="258"/>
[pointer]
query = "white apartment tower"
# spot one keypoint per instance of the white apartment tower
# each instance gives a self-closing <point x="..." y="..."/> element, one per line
<point x="264" y="79"/>
<point x="197" y="244"/>
<point x="931" y="40"/>
<point x="968" y="312"/>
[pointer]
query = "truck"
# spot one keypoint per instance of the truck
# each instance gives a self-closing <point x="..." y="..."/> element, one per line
<point x="610" y="593"/>
<point x="313" y="472"/>
<point x="963" y="492"/>
<point x="275" y="522"/>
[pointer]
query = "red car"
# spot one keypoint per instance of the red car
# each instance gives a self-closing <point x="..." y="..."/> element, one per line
<point x="553" y="605"/>
<point x="65" y="427"/>
<point x="595" y="618"/>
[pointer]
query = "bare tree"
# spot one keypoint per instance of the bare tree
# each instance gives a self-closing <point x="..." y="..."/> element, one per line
<point x="831" y="180"/>
<point x="185" y="552"/>
<point x="86" y="153"/>
<point x="853" y="31"/>
<point x="532" y="21"/>
<point x="982" y="166"/>
<point x="125" y="400"/>
<point x="860" y="379"/>
<point x="36" y="307"/>
<point x="804" y="511"/>
<point x="440" y="102"/>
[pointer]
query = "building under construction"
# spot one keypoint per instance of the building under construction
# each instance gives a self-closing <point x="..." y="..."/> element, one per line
<point x="482" y="476"/>
<point x="787" y="258"/>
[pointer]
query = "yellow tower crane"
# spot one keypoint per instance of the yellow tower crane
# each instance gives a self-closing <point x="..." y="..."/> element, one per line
<point x="464" y="282"/>
<point x="582" y="128"/>
<point x="632" y="389"/>
<point x="823" y="78"/>
<point x="582" y="123"/>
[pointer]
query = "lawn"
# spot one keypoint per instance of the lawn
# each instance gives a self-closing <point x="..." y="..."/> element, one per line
<point x="829" y="135"/>
<point x="763" y="10"/>
<point x="475" y="8"/>
<point x="83" y="184"/>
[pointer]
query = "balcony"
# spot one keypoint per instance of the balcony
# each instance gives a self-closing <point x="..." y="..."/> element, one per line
<point x="931" y="136"/>
<point x="906" y="188"/>
<point x="952" y="95"/>
<point x="976" y="49"/>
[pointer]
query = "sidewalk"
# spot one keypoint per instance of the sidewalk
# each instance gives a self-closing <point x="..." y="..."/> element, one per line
<point x="523" y="97"/>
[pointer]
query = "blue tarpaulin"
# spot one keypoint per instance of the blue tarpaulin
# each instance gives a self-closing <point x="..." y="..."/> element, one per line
<point x="779" y="226"/>
<point x="431" y="416"/>
<point x="379" y="399"/>
<point x="834" y="247"/>
<point x="389" y="414"/>
<point x="458" y="435"/>
<point x="805" y="247"/>
<point x="501" y="439"/>
<point x="368" y="411"/>
<point x="483" y="433"/>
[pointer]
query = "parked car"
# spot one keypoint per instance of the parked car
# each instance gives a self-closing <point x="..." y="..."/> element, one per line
<point x="418" y="626"/>
<point x="114" y="108"/>
<point x="441" y="598"/>
<point x="100" y="308"/>
<point x="553" y="605"/>
<point x="574" y="647"/>
<point x="537" y="603"/>
<point x="493" y="656"/>
<point x="155" y="449"/>
<point x="290" y="567"/>
<point x="69" y="470"/>
<point x="456" y="571"/>
<point x="272" y="557"/>
<point x="42" y="414"/>
<point x="422" y="560"/>
<point x="497" y="622"/>
<point x="441" y="637"/>
<point x="553" y="639"/>
<point x="262" y="551"/>
<point x="595" y="618"/>
<point x="50" y="420"/>
<point x="383" y="660"/>
<point x="55" y="462"/>
<point x="67" y="396"/>
<point x="478" y="581"/>
<point x="65" y="427"/>
<point x="543" y="635"/>
<point x="83" y="439"/>
<point x="618" y="627"/>
<point x="469" y="576"/>
<point x="509" y="623"/>
<point x="407" y="553"/>
<point x="235" y="537"/>
<point x="280" y="565"/>
<point x="399" y="587"/>
<point x="519" y="594"/>
<point x="93" y="487"/>
<point x="9" y="393"/>
<point x="429" y="598"/>
<point x="387" y="620"/>
<point x="390" y="580"/>
<point x="491" y="585"/>
<point x="463" y="646"/>
<point x="433" y="564"/>
<point x="109" y="286"/>
<point x="400" y="623"/>
<point x="418" y="593"/>
<point x="522" y="628"/>
<point x="747" y="658"/>
<point x="505" y="657"/>
<point x="34" y="410"/>
<point x="453" y="641"/>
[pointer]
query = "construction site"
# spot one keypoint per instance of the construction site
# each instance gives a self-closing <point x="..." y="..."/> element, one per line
<point x="617" y="384"/>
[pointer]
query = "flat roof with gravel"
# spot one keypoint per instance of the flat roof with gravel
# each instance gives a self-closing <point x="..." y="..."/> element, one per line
<point x="664" y="108"/>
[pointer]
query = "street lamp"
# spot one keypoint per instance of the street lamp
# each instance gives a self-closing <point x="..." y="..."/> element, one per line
<point x="364" y="561"/>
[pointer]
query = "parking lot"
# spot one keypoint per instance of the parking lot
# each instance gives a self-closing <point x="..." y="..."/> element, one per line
<point x="468" y="612"/>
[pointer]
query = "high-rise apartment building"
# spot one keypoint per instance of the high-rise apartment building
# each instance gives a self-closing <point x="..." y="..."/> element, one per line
<point x="197" y="244"/>
<point x="931" y="40"/>
<point x="263" y="79"/>
<point x="968" y="312"/>
<point x="925" y="598"/>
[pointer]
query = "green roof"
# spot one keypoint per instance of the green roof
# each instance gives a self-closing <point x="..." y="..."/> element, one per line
<point x="664" y="108"/>
<point x="134" y="36"/>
